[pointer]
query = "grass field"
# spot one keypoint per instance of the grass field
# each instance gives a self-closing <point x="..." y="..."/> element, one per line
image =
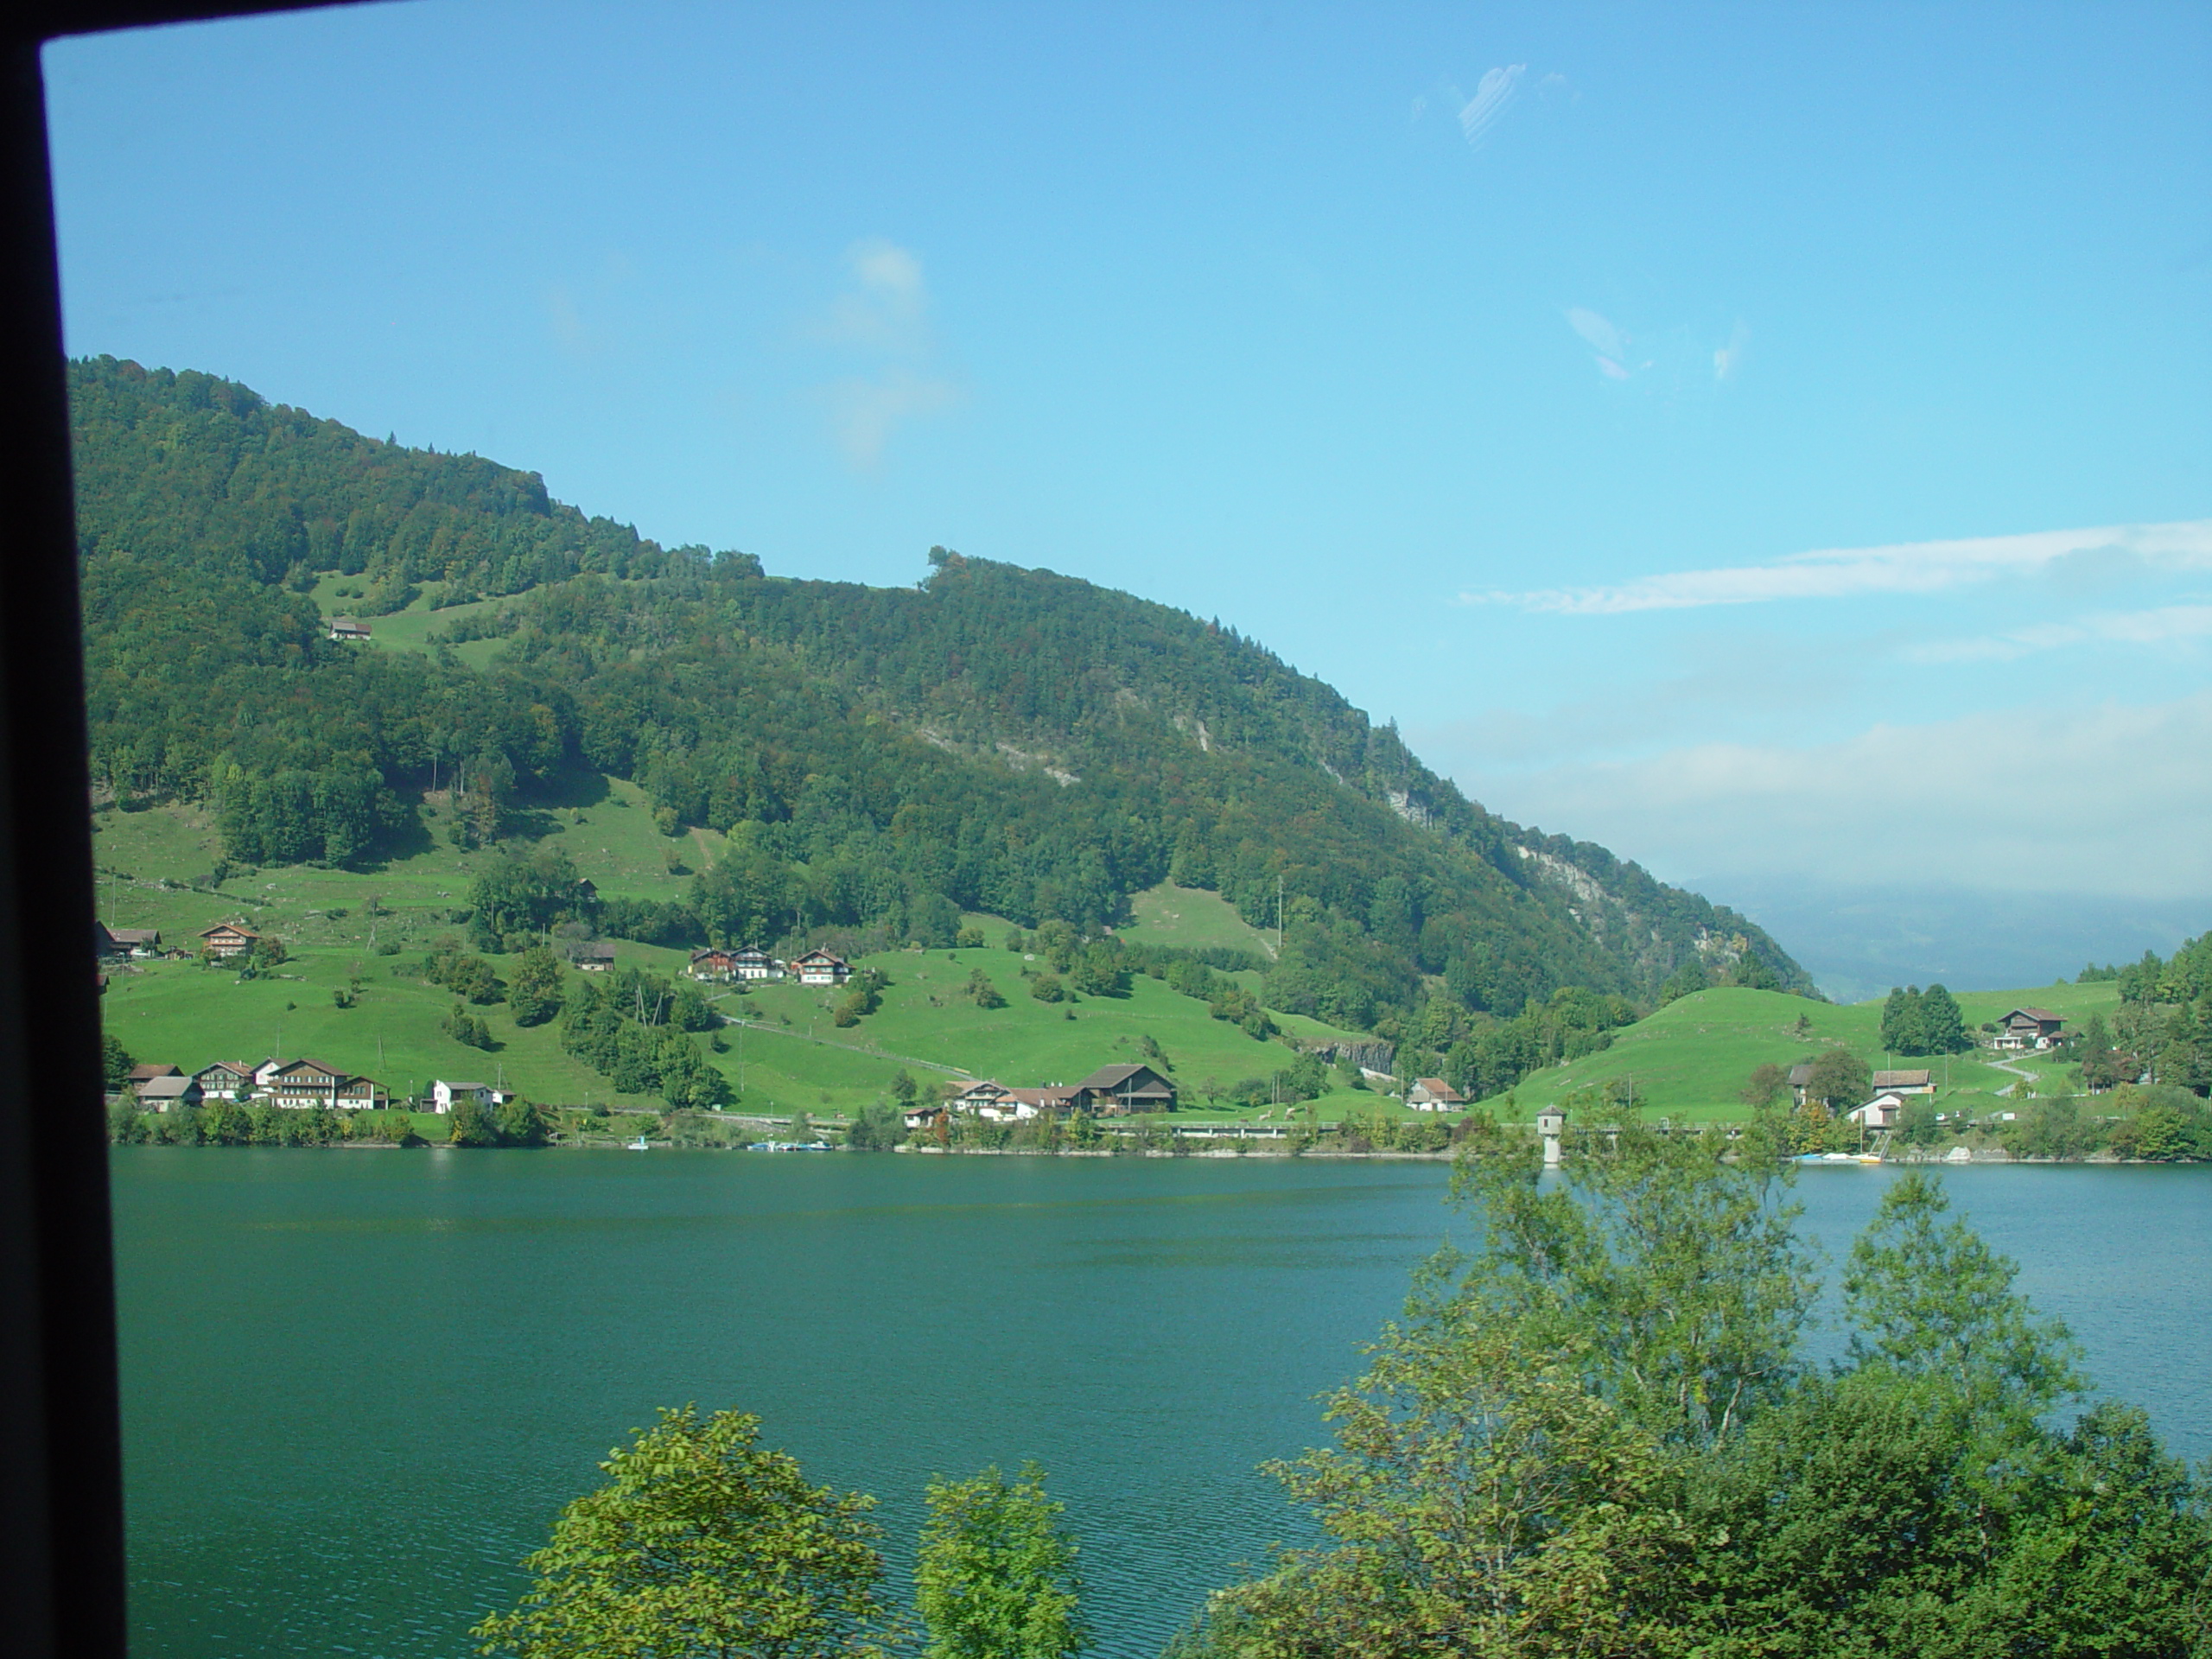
<point x="1691" y="1058"/>
<point x="337" y="925"/>
<point x="1192" y="918"/>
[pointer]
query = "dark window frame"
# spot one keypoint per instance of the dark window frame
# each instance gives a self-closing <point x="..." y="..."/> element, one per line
<point x="61" y="1558"/>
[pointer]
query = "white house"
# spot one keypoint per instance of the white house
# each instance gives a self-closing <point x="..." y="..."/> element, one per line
<point x="757" y="964"/>
<point x="995" y="1104"/>
<point x="444" y="1092"/>
<point x="1434" y="1094"/>
<point x="1880" y="1113"/>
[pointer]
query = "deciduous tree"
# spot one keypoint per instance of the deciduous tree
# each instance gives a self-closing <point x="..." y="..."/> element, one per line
<point x="701" y="1543"/>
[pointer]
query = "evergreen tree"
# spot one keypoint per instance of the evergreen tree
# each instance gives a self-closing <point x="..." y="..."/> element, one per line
<point x="1942" y="1027"/>
<point x="1903" y="1031"/>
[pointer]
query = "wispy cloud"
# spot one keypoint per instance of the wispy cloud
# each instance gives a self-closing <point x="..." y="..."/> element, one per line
<point x="1493" y="97"/>
<point x="883" y="318"/>
<point x="2130" y="822"/>
<point x="1849" y="573"/>
<point x="2159" y="626"/>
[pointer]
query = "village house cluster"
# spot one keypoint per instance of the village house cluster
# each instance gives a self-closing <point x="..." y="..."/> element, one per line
<point x="715" y="964"/>
<point x="297" y="1085"/>
<point x="1111" y="1091"/>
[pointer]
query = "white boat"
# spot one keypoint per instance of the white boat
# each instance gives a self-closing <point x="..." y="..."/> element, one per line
<point x="640" y="1145"/>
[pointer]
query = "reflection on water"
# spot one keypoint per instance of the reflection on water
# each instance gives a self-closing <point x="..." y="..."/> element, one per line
<point x="358" y="1385"/>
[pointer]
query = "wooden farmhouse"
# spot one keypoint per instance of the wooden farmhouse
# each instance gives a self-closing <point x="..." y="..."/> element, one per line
<point x="159" y="1094"/>
<point x="821" y="968"/>
<point x="303" y="1084"/>
<point x="2030" y="1028"/>
<point x="1118" y="1091"/>
<point x="126" y="941"/>
<point x="348" y="627"/>
<point x="225" y="1080"/>
<point x="596" y="956"/>
<point x="712" y="964"/>
<point x="228" y="939"/>
<point x="1904" y="1083"/>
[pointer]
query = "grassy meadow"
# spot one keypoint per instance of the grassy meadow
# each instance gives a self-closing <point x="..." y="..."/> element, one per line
<point x="374" y="927"/>
<point x="1691" y="1058"/>
<point x="341" y="927"/>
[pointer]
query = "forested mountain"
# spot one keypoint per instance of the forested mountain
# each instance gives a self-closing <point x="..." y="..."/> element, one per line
<point x="995" y="739"/>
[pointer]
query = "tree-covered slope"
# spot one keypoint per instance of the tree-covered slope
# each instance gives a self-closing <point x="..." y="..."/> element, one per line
<point x="997" y="739"/>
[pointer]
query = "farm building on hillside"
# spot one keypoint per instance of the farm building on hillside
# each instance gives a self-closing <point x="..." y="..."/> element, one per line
<point x="444" y="1093"/>
<point x="1117" y="1090"/>
<point x="712" y="964"/>
<point x="1882" y="1112"/>
<point x="126" y="941"/>
<point x="995" y="1103"/>
<point x="225" y="1080"/>
<point x="595" y="956"/>
<point x="1435" y="1095"/>
<point x="2030" y="1028"/>
<point x="1903" y="1083"/>
<point x="821" y="968"/>
<point x="303" y="1085"/>
<point x="348" y="627"/>
<point x="159" y="1094"/>
<point x="228" y="939"/>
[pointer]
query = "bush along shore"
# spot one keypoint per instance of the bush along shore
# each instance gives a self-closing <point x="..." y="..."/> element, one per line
<point x="2146" y="1124"/>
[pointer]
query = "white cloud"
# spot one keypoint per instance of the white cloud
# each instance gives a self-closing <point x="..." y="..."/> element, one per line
<point x="2111" y="800"/>
<point x="1847" y="573"/>
<point x="2160" y="626"/>
<point x="883" y="318"/>
<point x="1493" y="97"/>
<point x="866" y="412"/>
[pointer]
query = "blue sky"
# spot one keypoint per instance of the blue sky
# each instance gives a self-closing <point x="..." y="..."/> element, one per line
<point x="1775" y="441"/>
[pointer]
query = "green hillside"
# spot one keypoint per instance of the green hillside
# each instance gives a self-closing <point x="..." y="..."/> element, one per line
<point x="790" y="1057"/>
<point x="1690" y="1059"/>
<point x="761" y="760"/>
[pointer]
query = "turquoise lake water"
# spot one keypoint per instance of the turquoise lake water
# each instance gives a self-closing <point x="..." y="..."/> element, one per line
<point x="357" y="1386"/>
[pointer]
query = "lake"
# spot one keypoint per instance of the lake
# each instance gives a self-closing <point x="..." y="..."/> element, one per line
<point x="357" y="1386"/>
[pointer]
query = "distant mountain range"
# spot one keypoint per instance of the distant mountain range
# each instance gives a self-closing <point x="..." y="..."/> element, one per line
<point x="995" y="739"/>
<point x="1858" y="942"/>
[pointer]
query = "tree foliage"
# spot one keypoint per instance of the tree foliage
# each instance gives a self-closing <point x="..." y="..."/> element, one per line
<point x="995" y="740"/>
<point x="701" y="1543"/>
<point x="1597" y="1436"/>
<point x="995" y="1578"/>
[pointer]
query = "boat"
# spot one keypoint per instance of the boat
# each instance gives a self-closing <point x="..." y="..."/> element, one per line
<point x="640" y="1145"/>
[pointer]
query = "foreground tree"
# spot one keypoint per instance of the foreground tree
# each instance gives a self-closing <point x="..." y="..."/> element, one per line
<point x="701" y="1543"/>
<point x="996" y="1577"/>
<point x="1595" y="1437"/>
